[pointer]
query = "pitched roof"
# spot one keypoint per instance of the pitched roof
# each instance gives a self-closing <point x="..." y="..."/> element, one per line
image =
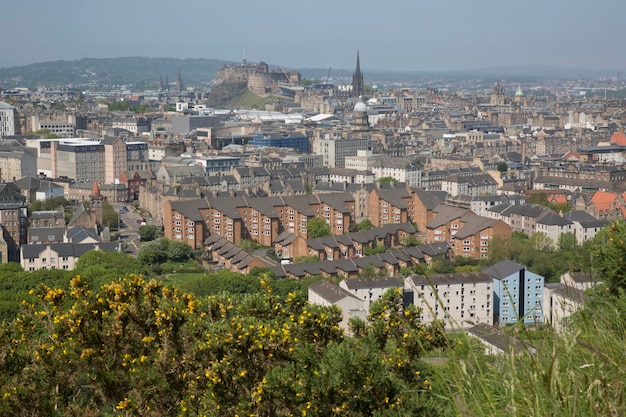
<point x="503" y="269"/>
<point x="331" y="292"/>
<point x="384" y="282"/>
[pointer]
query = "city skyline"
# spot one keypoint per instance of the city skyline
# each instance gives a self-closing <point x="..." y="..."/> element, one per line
<point x="401" y="36"/>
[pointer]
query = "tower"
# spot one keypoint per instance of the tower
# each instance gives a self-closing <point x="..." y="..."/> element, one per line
<point x="497" y="95"/>
<point x="179" y="82"/>
<point x="357" y="79"/>
<point x="161" y="86"/>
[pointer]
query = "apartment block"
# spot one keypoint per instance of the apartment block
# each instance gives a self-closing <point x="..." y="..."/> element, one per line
<point x="461" y="300"/>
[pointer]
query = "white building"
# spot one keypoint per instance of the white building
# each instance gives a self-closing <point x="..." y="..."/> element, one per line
<point x="370" y="289"/>
<point x="584" y="225"/>
<point x="335" y="149"/>
<point x="327" y="294"/>
<point x="7" y="119"/>
<point x="401" y="169"/>
<point x="553" y="226"/>
<point x="460" y="300"/>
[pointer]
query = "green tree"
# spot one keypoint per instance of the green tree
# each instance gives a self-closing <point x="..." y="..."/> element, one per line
<point x="386" y="180"/>
<point x="371" y="271"/>
<point x="609" y="256"/>
<point x="178" y="251"/>
<point x="151" y="253"/>
<point x="317" y="227"/>
<point x="366" y="224"/>
<point x="149" y="232"/>
<point x="502" y="166"/>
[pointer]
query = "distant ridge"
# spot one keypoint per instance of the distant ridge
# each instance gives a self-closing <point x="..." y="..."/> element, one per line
<point x="145" y="73"/>
<point x="141" y="72"/>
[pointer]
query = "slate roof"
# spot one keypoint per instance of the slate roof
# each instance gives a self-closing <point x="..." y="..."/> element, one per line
<point x="553" y="219"/>
<point x="189" y="208"/>
<point x="473" y="225"/>
<point x="445" y="214"/>
<point x="503" y="269"/>
<point x="585" y="219"/>
<point x="362" y="283"/>
<point x="444" y="279"/>
<point x="45" y="234"/>
<point x="428" y="199"/>
<point x="66" y="249"/>
<point x="331" y="292"/>
<point x="496" y="338"/>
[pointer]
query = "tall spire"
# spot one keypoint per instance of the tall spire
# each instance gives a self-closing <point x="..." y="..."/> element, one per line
<point x="357" y="78"/>
<point x="179" y="82"/>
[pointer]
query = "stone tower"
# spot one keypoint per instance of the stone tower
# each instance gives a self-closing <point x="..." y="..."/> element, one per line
<point x="357" y="79"/>
<point x="497" y="95"/>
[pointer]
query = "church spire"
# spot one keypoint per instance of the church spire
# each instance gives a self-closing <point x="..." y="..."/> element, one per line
<point x="357" y="78"/>
<point x="179" y="82"/>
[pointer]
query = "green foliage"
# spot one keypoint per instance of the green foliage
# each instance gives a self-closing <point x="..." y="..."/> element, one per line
<point x="609" y="256"/>
<point x="249" y="245"/>
<point x="126" y="106"/>
<point x="138" y="348"/>
<point x="573" y="373"/>
<point x="539" y="254"/>
<point x="502" y="166"/>
<point x="304" y="259"/>
<point x="441" y="265"/>
<point x="110" y="216"/>
<point x="317" y="227"/>
<point x="379" y="248"/>
<point x="411" y="240"/>
<point x="542" y="199"/>
<point x="154" y="252"/>
<point x="149" y="232"/>
<point x="386" y="180"/>
<point x="365" y="224"/>
<point x="53" y="203"/>
<point x="371" y="271"/>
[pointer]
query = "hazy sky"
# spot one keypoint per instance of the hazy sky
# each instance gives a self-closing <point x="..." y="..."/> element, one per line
<point x="390" y="34"/>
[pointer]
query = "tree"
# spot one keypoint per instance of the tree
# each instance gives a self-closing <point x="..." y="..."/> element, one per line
<point x="411" y="240"/>
<point x="541" y="242"/>
<point x="502" y="166"/>
<point x="151" y="253"/>
<point x="609" y="256"/>
<point x="386" y="180"/>
<point x="148" y="232"/>
<point x="366" y="224"/>
<point x="379" y="248"/>
<point x="178" y="251"/>
<point x="317" y="227"/>
<point x="371" y="271"/>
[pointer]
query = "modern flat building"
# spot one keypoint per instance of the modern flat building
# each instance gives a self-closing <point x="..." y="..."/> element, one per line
<point x="461" y="300"/>
<point x="335" y="149"/>
<point x="7" y="119"/>
<point x="518" y="294"/>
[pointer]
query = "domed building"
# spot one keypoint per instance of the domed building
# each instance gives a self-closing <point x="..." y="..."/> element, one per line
<point x="359" y="116"/>
<point x="519" y="94"/>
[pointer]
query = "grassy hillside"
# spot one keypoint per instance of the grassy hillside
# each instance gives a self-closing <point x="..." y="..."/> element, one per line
<point x="141" y="72"/>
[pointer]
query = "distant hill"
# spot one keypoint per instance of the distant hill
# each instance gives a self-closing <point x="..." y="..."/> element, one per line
<point x="144" y="73"/>
<point x="141" y="72"/>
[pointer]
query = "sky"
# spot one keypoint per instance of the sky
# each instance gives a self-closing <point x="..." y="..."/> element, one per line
<point x="403" y="35"/>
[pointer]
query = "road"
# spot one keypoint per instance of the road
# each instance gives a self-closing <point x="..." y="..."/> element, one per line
<point x="128" y="234"/>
